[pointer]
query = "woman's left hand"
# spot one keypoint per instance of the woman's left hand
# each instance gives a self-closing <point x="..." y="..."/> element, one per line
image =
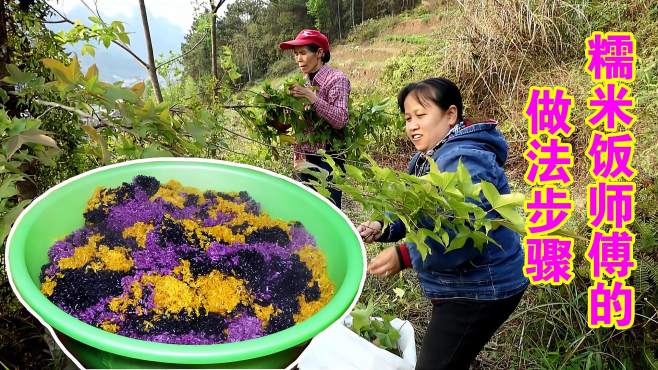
<point x="386" y="263"/>
<point x="303" y="92"/>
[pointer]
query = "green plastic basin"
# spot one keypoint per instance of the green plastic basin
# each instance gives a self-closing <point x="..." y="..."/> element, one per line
<point x="59" y="211"/>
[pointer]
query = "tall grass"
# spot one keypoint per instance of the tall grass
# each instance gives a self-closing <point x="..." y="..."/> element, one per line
<point x="503" y="40"/>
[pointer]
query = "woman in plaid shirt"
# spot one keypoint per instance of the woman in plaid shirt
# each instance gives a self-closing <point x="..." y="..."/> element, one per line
<point x="311" y="51"/>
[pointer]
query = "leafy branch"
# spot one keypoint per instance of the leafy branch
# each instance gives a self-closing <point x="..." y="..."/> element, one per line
<point x="378" y="332"/>
<point x="114" y="33"/>
<point x="276" y="117"/>
<point x="446" y="207"/>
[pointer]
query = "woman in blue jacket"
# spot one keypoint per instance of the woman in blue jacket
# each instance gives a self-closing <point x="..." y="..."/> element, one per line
<point x="472" y="293"/>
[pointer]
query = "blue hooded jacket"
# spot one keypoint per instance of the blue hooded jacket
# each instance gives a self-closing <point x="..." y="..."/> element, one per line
<point x="497" y="272"/>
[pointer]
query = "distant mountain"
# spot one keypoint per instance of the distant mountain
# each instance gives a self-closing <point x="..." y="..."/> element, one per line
<point x="116" y="64"/>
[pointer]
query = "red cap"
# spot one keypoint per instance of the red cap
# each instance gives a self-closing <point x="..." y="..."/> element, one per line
<point x="307" y="37"/>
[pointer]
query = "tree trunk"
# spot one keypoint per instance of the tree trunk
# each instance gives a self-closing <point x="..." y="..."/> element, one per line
<point x="352" y="13"/>
<point x="340" y="32"/>
<point x="213" y="41"/>
<point x="149" y="48"/>
<point x="4" y="40"/>
<point x="11" y="106"/>
<point x="363" y="7"/>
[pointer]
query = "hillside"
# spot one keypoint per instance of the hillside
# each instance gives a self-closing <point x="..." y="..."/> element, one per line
<point x="442" y="38"/>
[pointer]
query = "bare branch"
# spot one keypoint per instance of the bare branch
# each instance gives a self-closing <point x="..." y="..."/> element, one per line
<point x="46" y="112"/>
<point x="54" y="22"/>
<point x="219" y="4"/>
<point x="185" y="53"/>
<point x="64" y="107"/>
<point x="127" y="49"/>
<point x="64" y="18"/>
<point x="102" y="122"/>
<point x="96" y="12"/>
<point x="149" y="48"/>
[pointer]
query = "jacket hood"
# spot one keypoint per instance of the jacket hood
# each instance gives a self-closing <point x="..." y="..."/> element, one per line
<point x="484" y="135"/>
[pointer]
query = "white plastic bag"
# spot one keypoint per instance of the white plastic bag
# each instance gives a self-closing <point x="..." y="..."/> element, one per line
<point x="338" y="347"/>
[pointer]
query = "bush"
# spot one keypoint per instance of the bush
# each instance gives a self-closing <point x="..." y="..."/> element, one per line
<point x="410" y="39"/>
<point x="281" y="67"/>
<point x="371" y="29"/>
<point x="410" y="67"/>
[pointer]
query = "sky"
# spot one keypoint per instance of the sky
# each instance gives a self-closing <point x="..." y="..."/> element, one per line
<point x="169" y="21"/>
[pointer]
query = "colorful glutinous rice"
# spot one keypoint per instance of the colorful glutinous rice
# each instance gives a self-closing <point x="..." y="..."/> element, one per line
<point x="167" y="263"/>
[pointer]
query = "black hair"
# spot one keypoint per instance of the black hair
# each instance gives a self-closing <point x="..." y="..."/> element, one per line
<point x="441" y="91"/>
<point x="313" y="48"/>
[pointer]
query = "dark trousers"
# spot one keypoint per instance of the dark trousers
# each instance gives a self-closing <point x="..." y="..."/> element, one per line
<point x="459" y="329"/>
<point x="336" y="195"/>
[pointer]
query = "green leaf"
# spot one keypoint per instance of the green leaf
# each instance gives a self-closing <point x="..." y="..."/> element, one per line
<point x="153" y="152"/>
<point x="138" y="88"/>
<point x="480" y="239"/>
<point x="464" y="178"/>
<point x="198" y="132"/>
<point x="114" y="93"/>
<point x="8" y="186"/>
<point x="8" y="218"/>
<point x="377" y="108"/>
<point x="510" y="213"/>
<point x="17" y="76"/>
<point x="105" y="154"/>
<point x="490" y="192"/>
<point x="445" y="238"/>
<point x="521" y="230"/>
<point x="34" y="136"/>
<point x="513" y="199"/>
<point x="443" y="180"/>
<point x="354" y="172"/>
<point x="454" y="192"/>
<point x="67" y="74"/>
<point x="360" y="319"/>
<point x="421" y="246"/>
<point x="287" y="139"/>
<point x="88" y="49"/>
<point x="476" y="190"/>
<point x="47" y="156"/>
<point x="457" y="242"/>
<point x="233" y="75"/>
<point x="124" y="38"/>
<point x="311" y="169"/>
<point x="394" y="334"/>
<point x="92" y="72"/>
<point x="384" y="340"/>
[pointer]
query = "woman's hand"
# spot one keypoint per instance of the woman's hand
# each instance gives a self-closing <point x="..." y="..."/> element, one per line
<point x="303" y="92"/>
<point x="370" y="231"/>
<point x="386" y="263"/>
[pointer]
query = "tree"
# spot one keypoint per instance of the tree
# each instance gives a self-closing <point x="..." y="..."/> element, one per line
<point x="254" y="28"/>
<point x="149" y="49"/>
<point x="213" y="35"/>
<point x="196" y="60"/>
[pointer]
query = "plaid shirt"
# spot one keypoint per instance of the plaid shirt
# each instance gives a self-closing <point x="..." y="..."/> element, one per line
<point x="333" y="93"/>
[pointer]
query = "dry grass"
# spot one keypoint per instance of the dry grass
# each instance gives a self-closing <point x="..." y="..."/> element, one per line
<point x="578" y="84"/>
<point x="364" y="62"/>
<point x="503" y="40"/>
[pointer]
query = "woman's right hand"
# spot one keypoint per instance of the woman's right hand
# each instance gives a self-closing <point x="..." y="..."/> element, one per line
<point x="370" y="231"/>
<point x="385" y="264"/>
